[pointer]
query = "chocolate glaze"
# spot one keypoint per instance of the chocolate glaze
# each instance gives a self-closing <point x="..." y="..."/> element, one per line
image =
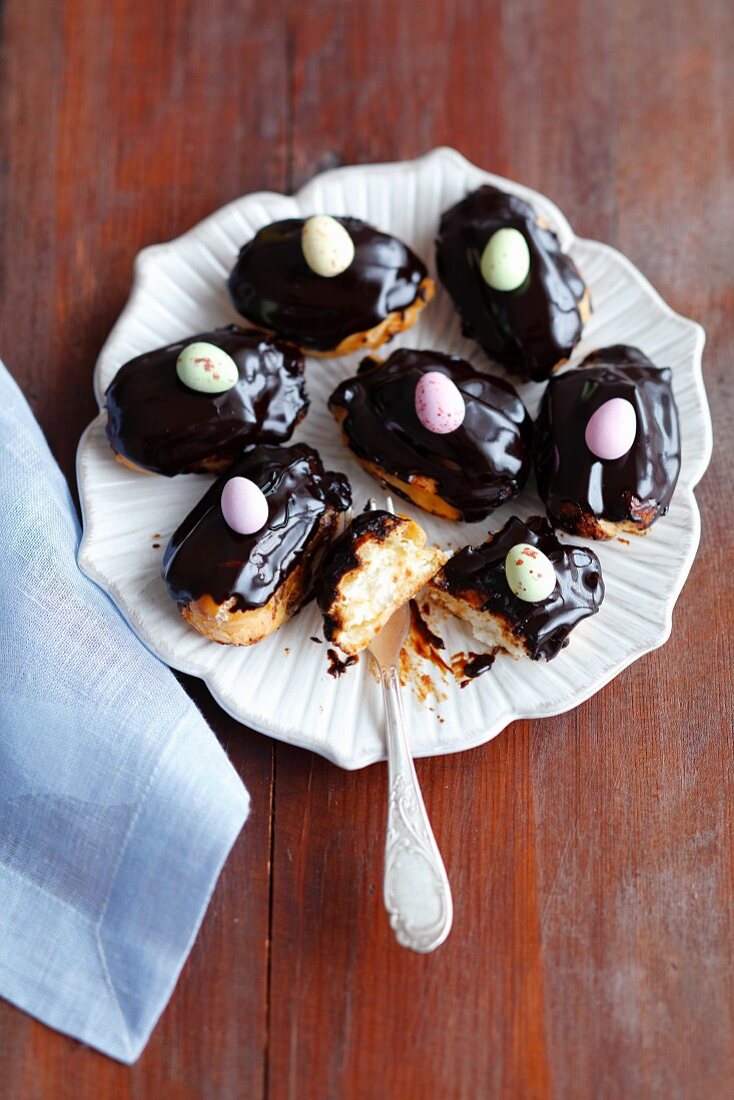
<point x="272" y="285"/>
<point x="341" y="558"/>
<point x="477" y="467"/>
<point x="571" y="480"/>
<point x="530" y="329"/>
<point x="158" y="423"/>
<point x="478" y="574"/>
<point x="205" y="557"/>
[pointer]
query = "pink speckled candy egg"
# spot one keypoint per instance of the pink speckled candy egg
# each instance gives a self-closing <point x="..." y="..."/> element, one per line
<point x="612" y="429"/>
<point x="244" y="506"/>
<point x="439" y="404"/>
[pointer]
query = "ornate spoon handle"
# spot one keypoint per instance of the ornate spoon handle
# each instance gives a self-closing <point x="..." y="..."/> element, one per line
<point x="417" y="891"/>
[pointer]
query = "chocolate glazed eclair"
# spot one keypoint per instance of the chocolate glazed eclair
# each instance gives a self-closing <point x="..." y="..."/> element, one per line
<point x="607" y="449"/>
<point x="519" y="295"/>
<point x="463" y="473"/>
<point x="237" y="588"/>
<point x="159" y="424"/>
<point x="357" y="288"/>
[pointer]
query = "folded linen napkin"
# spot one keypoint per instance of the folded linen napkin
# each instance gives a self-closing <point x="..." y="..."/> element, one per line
<point x="117" y="805"/>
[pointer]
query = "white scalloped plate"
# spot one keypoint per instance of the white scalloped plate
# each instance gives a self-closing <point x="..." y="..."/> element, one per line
<point x="281" y="686"/>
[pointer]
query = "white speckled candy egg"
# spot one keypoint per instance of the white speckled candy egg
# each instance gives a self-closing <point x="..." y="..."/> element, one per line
<point x="327" y="247"/>
<point x="205" y="368"/>
<point x="439" y="404"/>
<point x="505" y="261"/>
<point x="530" y="574"/>
<point x="244" y="506"/>
<point x="611" y="430"/>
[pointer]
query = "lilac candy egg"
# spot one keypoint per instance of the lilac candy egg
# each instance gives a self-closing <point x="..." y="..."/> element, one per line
<point x="244" y="506"/>
<point x="439" y="404"/>
<point x="611" y="430"/>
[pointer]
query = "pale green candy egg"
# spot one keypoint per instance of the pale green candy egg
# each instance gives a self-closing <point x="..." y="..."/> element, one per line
<point x="505" y="261"/>
<point x="205" y="368"/>
<point x="327" y="247"/>
<point x="529" y="573"/>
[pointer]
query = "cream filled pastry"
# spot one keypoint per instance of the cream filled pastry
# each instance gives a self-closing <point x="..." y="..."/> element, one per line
<point x="331" y="285"/>
<point x="519" y="295"/>
<point x="194" y="404"/>
<point x="244" y="559"/>
<point x="374" y="567"/>
<point x="454" y="440"/>
<point x="607" y="445"/>
<point x="522" y="591"/>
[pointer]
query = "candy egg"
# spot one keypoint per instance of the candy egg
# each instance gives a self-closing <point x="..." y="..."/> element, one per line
<point x="611" y="430"/>
<point x="205" y="368"/>
<point x="327" y="247"/>
<point x="529" y="573"/>
<point x="244" y="506"/>
<point x="439" y="404"/>
<point x="505" y="261"/>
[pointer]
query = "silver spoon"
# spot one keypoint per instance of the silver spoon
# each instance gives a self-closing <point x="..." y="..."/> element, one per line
<point x="416" y="886"/>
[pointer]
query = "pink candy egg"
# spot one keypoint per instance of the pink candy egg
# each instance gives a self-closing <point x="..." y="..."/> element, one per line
<point x="611" y="430"/>
<point x="244" y="506"/>
<point x="438" y="403"/>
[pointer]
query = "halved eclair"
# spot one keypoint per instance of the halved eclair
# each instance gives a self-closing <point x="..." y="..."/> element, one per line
<point x="522" y="591"/>
<point x="374" y="567"/>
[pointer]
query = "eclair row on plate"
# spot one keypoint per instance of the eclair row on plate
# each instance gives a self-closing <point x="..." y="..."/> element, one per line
<point x="266" y="536"/>
<point x="455" y="441"/>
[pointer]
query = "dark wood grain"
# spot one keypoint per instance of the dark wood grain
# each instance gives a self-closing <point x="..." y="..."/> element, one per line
<point x="122" y="125"/>
<point x="591" y="855"/>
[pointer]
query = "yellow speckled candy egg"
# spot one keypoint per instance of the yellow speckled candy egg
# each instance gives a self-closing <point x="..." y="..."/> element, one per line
<point x="327" y="247"/>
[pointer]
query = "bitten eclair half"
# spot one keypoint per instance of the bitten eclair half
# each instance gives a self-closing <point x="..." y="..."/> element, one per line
<point x="374" y="567"/>
<point x="522" y="591"/>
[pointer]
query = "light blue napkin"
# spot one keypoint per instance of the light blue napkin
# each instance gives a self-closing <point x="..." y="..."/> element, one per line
<point x="117" y="804"/>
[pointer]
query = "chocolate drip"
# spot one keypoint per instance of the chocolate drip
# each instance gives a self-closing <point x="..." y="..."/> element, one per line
<point x="158" y="423"/>
<point x="339" y="665"/>
<point x="571" y="480"/>
<point x="272" y="285"/>
<point x="476" y="664"/>
<point x="477" y="574"/>
<point x="530" y="329"/>
<point x="477" y="467"/>
<point x="205" y="557"/>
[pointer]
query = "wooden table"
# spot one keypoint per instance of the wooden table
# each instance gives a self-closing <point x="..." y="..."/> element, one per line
<point x="590" y="855"/>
